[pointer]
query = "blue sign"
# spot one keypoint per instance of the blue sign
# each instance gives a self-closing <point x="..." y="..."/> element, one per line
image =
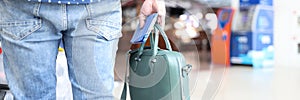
<point x="264" y="21"/>
<point x="266" y="2"/>
<point x="255" y="47"/>
<point x="248" y="3"/>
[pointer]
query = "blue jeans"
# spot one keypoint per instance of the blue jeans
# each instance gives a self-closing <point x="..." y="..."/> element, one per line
<point x="31" y="33"/>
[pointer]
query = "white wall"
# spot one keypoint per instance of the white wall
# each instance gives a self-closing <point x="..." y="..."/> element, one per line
<point x="286" y="33"/>
<point x="235" y="4"/>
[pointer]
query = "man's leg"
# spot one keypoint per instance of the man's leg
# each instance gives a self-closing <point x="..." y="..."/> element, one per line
<point x="30" y="47"/>
<point x="91" y="49"/>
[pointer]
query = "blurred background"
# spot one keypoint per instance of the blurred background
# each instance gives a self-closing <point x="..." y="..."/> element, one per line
<point x="239" y="49"/>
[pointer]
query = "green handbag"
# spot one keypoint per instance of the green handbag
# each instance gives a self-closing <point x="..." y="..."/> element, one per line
<point x="157" y="74"/>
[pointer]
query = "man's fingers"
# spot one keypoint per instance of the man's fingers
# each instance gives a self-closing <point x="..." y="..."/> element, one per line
<point x="161" y="21"/>
<point x="161" y="9"/>
<point x="147" y="7"/>
<point x="142" y="19"/>
<point x="145" y="11"/>
<point x="152" y="6"/>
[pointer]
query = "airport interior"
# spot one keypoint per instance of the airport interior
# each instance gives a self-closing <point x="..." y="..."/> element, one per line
<point x="238" y="49"/>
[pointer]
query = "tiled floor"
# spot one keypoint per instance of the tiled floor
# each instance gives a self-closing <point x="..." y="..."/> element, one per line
<point x="242" y="83"/>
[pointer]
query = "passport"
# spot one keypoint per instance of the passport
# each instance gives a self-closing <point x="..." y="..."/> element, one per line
<point x="141" y="34"/>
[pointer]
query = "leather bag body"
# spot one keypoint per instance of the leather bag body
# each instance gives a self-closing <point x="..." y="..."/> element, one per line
<point x="158" y="74"/>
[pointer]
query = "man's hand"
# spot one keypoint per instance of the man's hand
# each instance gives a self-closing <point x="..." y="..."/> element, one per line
<point x="153" y="6"/>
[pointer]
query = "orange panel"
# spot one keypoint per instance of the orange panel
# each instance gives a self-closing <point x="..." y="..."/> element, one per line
<point x="221" y="37"/>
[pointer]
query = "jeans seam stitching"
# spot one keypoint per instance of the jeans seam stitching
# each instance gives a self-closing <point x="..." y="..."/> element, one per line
<point x="89" y="10"/>
<point x="64" y="17"/>
<point x="38" y="26"/>
<point x="36" y="9"/>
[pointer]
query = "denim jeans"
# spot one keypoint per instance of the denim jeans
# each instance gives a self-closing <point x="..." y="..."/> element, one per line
<point x="31" y="33"/>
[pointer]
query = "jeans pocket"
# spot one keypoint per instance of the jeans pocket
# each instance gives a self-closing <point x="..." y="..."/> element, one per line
<point x="19" y="29"/>
<point x="108" y="30"/>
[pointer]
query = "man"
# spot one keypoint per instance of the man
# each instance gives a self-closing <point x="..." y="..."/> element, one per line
<point x="31" y="31"/>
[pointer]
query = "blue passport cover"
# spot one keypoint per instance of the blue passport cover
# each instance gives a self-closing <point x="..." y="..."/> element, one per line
<point x="141" y="34"/>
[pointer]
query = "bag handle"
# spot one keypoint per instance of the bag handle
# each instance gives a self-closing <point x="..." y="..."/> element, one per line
<point x="154" y="44"/>
<point x="164" y="35"/>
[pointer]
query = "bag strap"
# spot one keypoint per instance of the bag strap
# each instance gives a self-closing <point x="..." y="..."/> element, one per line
<point x="124" y="92"/>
